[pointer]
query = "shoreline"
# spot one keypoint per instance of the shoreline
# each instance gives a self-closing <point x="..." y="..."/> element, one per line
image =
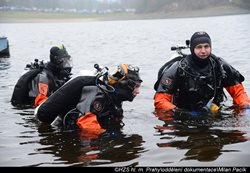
<point x="33" y="17"/>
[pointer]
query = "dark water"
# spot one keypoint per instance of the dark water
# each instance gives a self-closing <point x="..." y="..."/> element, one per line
<point x="146" y="139"/>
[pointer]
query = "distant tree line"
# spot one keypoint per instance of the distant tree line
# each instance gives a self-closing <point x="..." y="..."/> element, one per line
<point x="140" y="6"/>
<point x="151" y="6"/>
<point x="66" y="4"/>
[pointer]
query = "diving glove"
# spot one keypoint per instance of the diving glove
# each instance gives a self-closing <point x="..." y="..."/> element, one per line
<point x="211" y="107"/>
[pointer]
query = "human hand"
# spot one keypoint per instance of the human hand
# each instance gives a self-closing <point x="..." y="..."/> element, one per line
<point x="244" y="109"/>
<point x="246" y="106"/>
<point x="212" y="108"/>
<point x="163" y="114"/>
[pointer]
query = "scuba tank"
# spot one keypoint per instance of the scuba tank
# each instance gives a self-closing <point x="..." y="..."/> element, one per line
<point x="20" y="96"/>
<point x="101" y="74"/>
<point x="65" y="98"/>
<point x="101" y="81"/>
<point x="177" y="56"/>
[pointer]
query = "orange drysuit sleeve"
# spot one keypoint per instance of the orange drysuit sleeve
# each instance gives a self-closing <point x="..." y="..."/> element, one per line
<point x="89" y="123"/>
<point x="163" y="101"/>
<point x="42" y="96"/>
<point x="239" y="95"/>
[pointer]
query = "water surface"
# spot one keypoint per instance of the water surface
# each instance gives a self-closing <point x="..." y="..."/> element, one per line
<point x="146" y="139"/>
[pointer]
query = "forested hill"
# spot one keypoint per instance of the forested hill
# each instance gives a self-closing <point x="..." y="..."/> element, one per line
<point x="34" y="10"/>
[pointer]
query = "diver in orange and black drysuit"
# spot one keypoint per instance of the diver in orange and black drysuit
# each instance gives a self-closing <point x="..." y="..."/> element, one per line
<point x="199" y="79"/>
<point x="39" y="86"/>
<point x="93" y="107"/>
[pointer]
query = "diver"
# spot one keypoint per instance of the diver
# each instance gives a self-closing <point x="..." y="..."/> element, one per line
<point x="92" y="103"/>
<point x="42" y="79"/>
<point x="196" y="82"/>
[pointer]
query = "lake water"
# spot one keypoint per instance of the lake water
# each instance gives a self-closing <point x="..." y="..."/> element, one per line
<point x="222" y="141"/>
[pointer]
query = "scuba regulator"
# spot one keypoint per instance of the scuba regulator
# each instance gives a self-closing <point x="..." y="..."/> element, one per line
<point x="102" y="79"/>
<point x="35" y="65"/>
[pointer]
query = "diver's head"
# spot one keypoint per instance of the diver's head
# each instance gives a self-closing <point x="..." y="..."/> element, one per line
<point x="200" y="46"/>
<point x="61" y="59"/>
<point x="126" y="81"/>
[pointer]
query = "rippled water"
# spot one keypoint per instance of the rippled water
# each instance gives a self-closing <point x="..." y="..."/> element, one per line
<point x="147" y="139"/>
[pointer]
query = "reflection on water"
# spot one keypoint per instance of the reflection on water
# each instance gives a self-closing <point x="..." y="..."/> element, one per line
<point x="198" y="135"/>
<point x="79" y="149"/>
<point x="146" y="43"/>
<point x="4" y="63"/>
<point x="76" y="147"/>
